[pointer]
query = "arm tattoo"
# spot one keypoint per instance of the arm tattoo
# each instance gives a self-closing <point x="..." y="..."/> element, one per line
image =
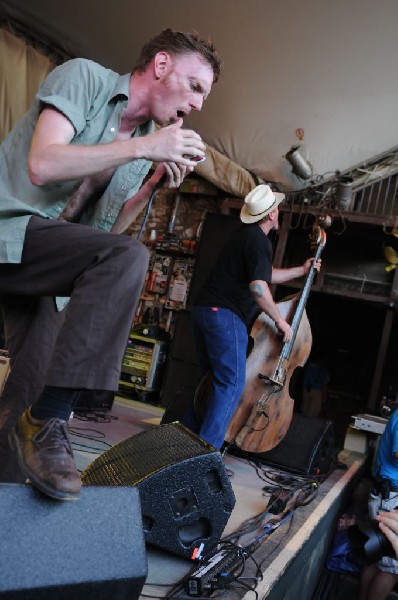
<point x="256" y="289"/>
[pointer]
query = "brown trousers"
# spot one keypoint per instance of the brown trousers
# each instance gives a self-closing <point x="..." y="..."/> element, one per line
<point x="82" y="346"/>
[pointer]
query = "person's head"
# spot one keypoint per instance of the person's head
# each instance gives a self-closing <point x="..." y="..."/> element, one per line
<point x="177" y="43"/>
<point x="261" y="207"/>
<point x="182" y="69"/>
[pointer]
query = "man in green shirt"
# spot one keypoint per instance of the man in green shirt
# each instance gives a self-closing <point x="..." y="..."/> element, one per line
<point x="71" y="176"/>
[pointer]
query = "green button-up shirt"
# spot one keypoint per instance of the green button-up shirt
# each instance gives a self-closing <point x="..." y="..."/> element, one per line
<point x="92" y="98"/>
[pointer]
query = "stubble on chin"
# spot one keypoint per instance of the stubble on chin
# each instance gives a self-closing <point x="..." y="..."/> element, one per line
<point x="165" y="122"/>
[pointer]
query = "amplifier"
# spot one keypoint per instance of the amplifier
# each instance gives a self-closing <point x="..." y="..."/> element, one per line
<point x="96" y="401"/>
<point x="370" y="423"/>
<point x="143" y="364"/>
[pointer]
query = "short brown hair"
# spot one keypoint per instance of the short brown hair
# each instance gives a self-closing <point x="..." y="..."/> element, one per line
<point x="176" y="42"/>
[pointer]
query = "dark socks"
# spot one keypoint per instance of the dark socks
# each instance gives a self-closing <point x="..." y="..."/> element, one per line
<point x="54" y="402"/>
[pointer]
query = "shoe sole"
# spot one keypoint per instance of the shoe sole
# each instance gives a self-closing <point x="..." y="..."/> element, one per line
<point x="37" y="483"/>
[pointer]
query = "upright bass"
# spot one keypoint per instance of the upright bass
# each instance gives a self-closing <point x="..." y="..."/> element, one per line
<point x="265" y="410"/>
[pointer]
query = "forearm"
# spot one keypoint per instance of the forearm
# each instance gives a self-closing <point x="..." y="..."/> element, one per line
<point x="283" y="275"/>
<point x="263" y="297"/>
<point x="54" y="158"/>
<point x="66" y="162"/>
<point x="132" y="208"/>
<point x="90" y="189"/>
<point x="171" y="175"/>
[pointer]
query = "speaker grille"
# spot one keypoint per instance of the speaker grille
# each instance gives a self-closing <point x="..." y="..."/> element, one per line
<point x="131" y="461"/>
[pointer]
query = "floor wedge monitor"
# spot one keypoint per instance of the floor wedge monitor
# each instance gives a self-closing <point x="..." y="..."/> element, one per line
<point x="308" y="448"/>
<point x="186" y="495"/>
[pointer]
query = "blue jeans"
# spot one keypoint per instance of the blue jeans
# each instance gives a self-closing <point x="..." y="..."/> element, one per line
<point x="221" y="339"/>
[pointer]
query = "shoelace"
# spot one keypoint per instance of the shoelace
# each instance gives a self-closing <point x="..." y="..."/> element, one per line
<point x="53" y="435"/>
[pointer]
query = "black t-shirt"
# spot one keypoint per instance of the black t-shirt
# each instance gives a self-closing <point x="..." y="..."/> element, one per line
<point x="246" y="256"/>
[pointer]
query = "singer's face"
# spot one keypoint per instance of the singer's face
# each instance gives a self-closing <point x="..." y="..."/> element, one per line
<point x="184" y="84"/>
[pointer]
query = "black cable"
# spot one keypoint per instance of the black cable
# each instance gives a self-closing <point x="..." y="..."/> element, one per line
<point x="96" y="436"/>
<point x="95" y="416"/>
<point x="244" y="555"/>
<point x="245" y="585"/>
<point x="251" y="524"/>
<point x="287" y="493"/>
<point x="295" y="491"/>
<point x="279" y="543"/>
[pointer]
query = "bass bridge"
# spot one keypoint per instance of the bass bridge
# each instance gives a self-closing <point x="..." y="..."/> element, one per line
<point x="270" y="380"/>
<point x="279" y="376"/>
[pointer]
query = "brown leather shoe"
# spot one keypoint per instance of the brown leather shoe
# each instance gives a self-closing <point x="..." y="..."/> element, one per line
<point x="45" y="455"/>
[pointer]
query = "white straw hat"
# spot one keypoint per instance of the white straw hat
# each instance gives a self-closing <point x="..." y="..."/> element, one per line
<point x="259" y="203"/>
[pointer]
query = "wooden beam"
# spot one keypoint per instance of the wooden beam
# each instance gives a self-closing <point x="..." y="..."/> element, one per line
<point x="394" y="287"/>
<point x="352" y="217"/>
<point x="381" y="357"/>
<point x="282" y="240"/>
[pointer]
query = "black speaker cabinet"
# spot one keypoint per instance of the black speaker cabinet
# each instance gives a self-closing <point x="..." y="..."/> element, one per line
<point x="308" y="448"/>
<point x="216" y="231"/>
<point x="182" y="399"/>
<point x="93" y="548"/>
<point x="93" y="401"/>
<point x="186" y="495"/>
<point x="182" y="367"/>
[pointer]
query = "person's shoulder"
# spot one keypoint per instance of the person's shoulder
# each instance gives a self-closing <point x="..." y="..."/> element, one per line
<point x="257" y="235"/>
<point x="241" y="236"/>
<point x="85" y="64"/>
<point x="392" y="423"/>
<point x="81" y="67"/>
<point x="252" y="241"/>
<point x="245" y="230"/>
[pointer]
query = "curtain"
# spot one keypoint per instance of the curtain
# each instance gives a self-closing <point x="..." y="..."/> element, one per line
<point x="22" y="68"/>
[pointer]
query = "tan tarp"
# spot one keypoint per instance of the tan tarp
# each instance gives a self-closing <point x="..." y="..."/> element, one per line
<point x="22" y="68"/>
<point x="225" y="174"/>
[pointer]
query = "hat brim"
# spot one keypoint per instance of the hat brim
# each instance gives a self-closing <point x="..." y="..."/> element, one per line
<point x="246" y="217"/>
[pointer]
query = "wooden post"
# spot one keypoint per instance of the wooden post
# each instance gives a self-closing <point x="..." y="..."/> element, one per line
<point x="385" y="338"/>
